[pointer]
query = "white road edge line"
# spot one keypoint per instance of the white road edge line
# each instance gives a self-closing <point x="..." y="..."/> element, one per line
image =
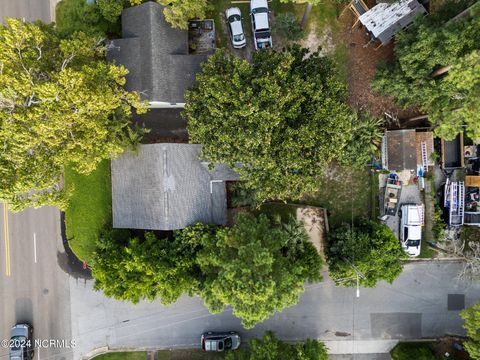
<point x="38" y="353"/>
<point x="35" y="247"/>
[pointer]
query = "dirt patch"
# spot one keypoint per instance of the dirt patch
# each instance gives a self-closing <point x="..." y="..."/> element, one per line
<point x="362" y="60"/>
<point x="313" y="219"/>
<point x="313" y="41"/>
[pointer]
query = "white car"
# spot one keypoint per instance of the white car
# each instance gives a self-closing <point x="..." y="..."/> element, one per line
<point x="234" y="21"/>
<point x="411" y="222"/>
<point x="262" y="38"/>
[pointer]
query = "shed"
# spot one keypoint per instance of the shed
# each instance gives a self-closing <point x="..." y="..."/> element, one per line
<point x="166" y="186"/>
<point x="399" y="150"/>
<point x="384" y="20"/>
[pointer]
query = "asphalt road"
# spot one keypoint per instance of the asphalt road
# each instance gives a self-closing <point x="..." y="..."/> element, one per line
<point x="415" y="306"/>
<point x="33" y="287"/>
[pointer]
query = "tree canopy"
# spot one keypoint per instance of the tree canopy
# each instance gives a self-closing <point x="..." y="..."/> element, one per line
<point x="269" y="347"/>
<point x="135" y="269"/>
<point x="279" y="120"/>
<point x="258" y="268"/>
<point x="60" y="103"/>
<point x="471" y="316"/>
<point x="450" y="100"/>
<point x="410" y="351"/>
<point x="369" y="248"/>
<point x="177" y="12"/>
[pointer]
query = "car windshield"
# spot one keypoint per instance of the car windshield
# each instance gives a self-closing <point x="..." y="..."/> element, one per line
<point x="238" y="37"/>
<point x="17" y="342"/>
<point x="259" y="10"/>
<point x="233" y="18"/>
<point x="413" y="243"/>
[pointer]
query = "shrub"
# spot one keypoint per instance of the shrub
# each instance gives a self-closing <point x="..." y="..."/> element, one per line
<point x="288" y="27"/>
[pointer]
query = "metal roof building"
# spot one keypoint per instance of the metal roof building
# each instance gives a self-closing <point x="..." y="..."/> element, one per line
<point x="166" y="187"/>
<point x="384" y="20"/>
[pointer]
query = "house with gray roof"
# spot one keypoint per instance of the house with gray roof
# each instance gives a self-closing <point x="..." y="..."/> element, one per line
<point x="166" y="186"/>
<point x="156" y="56"/>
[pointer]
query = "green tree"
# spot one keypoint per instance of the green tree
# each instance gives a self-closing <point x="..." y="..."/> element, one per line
<point x="271" y="348"/>
<point x="178" y="12"/>
<point x="471" y="316"/>
<point x="282" y="118"/>
<point x="257" y="268"/>
<point x="78" y="15"/>
<point x="111" y="9"/>
<point x="368" y="248"/>
<point x="149" y="268"/>
<point x="410" y="351"/>
<point x="60" y="103"/>
<point x="288" y="27"/>
<point x="365" y="141"/>
<point x="450" y="100"/>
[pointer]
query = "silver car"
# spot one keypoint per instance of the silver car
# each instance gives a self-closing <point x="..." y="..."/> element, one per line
<point x="220" y="341"/>
<point x="21" y="347"/>
<point x="235" y="27"/>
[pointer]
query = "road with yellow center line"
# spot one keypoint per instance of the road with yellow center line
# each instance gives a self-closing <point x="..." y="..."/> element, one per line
<point x="6" y="238"/>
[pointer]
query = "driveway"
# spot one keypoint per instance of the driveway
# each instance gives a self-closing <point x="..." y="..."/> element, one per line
<point x="31" y="10"/>
<point x="410" y="194"/>
<point x="416" y="305"/>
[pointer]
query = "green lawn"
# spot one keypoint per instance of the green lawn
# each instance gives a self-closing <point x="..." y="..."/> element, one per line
<point x="90" y="208"/>
<point x="135" y="355"/>
<point x="188" y="355"/>
<point x="345" y="193"/>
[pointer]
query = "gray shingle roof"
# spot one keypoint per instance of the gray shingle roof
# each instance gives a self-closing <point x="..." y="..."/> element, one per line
<point x="167" y="187"/>
<point x="155" y="54"/>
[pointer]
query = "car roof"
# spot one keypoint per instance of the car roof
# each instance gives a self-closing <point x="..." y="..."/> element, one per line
<point x="414" y="232"/>
<point x="212" y="344"/>
<point x="261" y="21"/>
<point x="19" y="330"/>
<point x="236" y="27"/>
<point x="258" y="3"/>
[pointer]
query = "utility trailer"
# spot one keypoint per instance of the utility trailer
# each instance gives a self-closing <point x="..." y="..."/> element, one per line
<point x="393" y="190"/>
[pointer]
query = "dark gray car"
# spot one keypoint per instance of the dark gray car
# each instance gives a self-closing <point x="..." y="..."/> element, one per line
<point x="220" y="341"/>
<point x="21" y="347"/>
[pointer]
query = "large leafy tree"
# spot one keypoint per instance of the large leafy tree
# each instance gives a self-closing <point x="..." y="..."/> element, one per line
<point x="60" y="103"/>
<point x="452" y="99"/>
<point x="177" y="12"/>
<point x="257" y="268"/>
<point x="148" y="268"/>
<point x="368" y="249"/>
<point x="471" y="316"/>
<point x="279" y="120"/>
<point x="269" y="347"/>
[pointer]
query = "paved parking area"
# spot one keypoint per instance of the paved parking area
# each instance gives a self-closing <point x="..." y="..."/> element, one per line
<point x="410" y="194"/>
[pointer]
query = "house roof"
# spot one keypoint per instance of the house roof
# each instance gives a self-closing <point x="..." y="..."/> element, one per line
<point x="399" y="150"/>
<point x="155" y="54"/>
<point x="384" y="20"/>
<point x="166" y="187"/>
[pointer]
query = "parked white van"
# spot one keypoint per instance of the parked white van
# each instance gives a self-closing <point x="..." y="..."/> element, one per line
<point x="411" y="222"/>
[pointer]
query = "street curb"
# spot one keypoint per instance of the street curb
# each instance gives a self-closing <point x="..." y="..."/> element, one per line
<point x="452" y="259"/>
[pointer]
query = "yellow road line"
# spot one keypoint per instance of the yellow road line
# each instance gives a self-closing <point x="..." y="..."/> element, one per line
<point x="6" y="239"/>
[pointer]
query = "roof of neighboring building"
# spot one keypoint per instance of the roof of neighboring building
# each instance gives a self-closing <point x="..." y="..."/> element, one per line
<point x="155" y="54"/>
<point x="427" y="138"/>
<point x="400" y="150"/>
<point x="167" y="187"/>
<point x="384" y="20"/>
<point x="165" y="125"/>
